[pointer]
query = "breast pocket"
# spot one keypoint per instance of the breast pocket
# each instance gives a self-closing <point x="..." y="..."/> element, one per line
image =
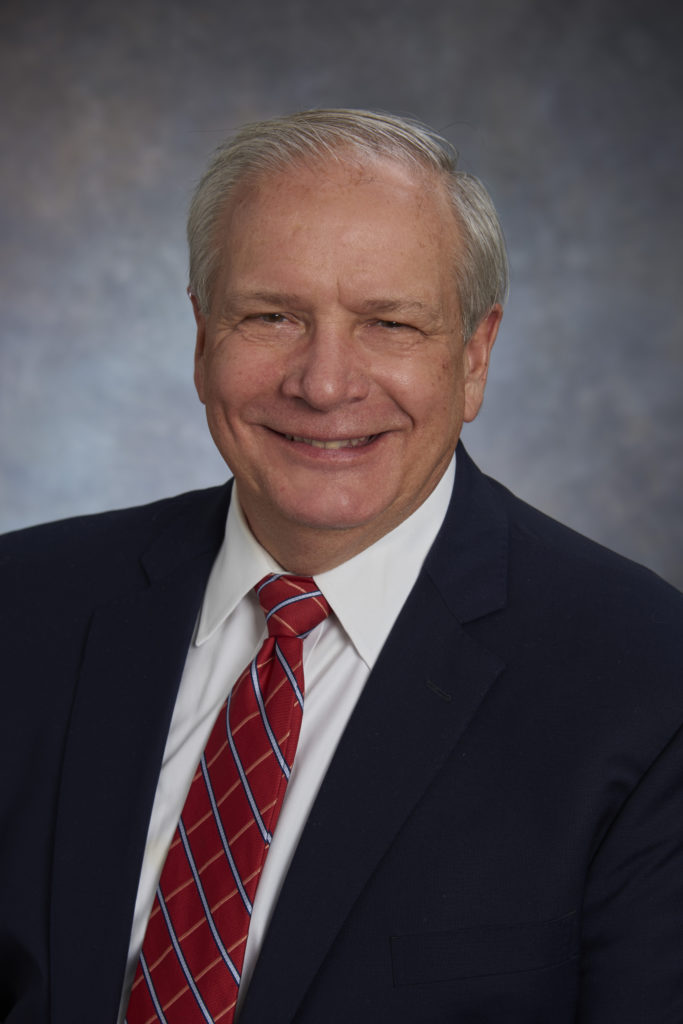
<point x="480" y="951"/>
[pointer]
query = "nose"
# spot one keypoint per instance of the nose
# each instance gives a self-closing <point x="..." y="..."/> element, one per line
<point x="328" y="370"/>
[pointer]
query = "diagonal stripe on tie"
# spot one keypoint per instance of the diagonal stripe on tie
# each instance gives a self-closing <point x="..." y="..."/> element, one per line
<point x="224" y="840"/>
<point x="192" y="955"/>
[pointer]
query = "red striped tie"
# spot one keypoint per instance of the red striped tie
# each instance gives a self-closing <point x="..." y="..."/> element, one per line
<point x="192" y="956"/>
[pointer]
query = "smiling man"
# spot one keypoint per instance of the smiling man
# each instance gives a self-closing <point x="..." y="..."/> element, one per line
<point x="331" y="358"/>
<point x="448" y="784"/>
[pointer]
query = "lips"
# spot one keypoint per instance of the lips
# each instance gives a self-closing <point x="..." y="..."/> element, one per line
<point x="335" y="444"/>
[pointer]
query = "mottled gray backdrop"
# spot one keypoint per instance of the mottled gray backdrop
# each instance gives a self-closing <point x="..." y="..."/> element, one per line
<point x="571" y="113"/>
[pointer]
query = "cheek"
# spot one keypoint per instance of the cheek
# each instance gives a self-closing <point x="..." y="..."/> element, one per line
<point x="232" y="382"/>
<point x="435" y="394"/>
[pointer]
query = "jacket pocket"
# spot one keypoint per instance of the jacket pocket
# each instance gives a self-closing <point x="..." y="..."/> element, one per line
<point x="484" y="950"/>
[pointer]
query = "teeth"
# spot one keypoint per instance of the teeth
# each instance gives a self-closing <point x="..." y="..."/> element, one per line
<point x="351" y="442"/>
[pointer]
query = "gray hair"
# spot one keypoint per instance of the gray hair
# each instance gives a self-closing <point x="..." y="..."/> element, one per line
<point x="481" y="269"/>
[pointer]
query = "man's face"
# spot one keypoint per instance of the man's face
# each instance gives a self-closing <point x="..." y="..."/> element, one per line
<point x="331" y="362"/>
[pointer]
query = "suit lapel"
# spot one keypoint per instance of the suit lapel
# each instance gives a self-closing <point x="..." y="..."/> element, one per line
<point x="421" y="695"/>
<point x="131" y="668"/>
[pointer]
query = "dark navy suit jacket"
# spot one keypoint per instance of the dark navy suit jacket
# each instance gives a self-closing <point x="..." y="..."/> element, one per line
<point x="499" y="837"/>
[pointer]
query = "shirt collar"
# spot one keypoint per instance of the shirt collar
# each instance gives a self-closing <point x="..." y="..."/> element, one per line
<point x="239" y="565"/>
<point x="366" y="593"/>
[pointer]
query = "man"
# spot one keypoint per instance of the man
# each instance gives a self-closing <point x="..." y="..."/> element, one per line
<point x="483" y="820"/>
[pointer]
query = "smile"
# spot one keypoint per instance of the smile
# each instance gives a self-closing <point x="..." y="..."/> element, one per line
<point x="348" y="442"/>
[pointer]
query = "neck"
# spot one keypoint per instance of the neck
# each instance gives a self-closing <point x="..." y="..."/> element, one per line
<point x="307" y="551"/>
<point x="308" y="554"/>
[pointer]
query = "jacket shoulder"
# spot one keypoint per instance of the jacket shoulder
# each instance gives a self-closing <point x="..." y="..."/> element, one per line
<point x="554" y="552"/>
<point x="132" y="526"/>
<point x="90" y="558"/>
<point x="582" y="607"/>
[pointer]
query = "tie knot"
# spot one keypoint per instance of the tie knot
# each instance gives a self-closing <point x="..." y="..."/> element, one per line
<point x="293" y="605"/>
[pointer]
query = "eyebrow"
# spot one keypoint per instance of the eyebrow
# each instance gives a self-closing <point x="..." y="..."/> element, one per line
<point x="279" y="299"/>
<point x="282" y="299"/>
<point x="403" y="306"/>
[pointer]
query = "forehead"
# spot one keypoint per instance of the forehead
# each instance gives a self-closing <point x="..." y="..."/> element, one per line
<point x="360" y="215"/>
<point x="317" y="180"/>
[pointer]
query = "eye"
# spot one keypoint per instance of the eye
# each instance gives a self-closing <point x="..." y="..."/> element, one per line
<point x="270" y="318"/>
<point x="393" y="325"/>
<point x="270" y="327"/>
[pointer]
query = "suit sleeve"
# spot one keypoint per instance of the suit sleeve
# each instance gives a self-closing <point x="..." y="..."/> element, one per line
<point x="632" y="963"/>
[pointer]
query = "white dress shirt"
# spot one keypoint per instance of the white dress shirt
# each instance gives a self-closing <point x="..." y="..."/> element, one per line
<point x="366" y="595"/>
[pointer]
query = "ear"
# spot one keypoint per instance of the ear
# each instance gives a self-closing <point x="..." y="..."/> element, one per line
<point x="476" y="355"/>
<point x="200" y="321"/>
